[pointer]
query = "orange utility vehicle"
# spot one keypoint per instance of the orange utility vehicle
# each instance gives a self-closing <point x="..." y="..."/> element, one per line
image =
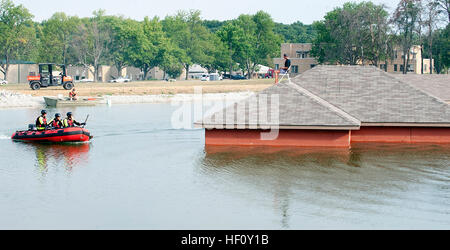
<point x="50" y="74"/>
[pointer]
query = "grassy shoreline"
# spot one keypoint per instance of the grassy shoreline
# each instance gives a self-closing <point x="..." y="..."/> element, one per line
<point x="146" y="88"/>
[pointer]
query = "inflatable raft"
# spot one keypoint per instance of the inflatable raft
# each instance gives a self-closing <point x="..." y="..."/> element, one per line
<point x="74" y="134"/>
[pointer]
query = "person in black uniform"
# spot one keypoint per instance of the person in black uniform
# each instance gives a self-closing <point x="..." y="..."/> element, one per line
<point x="287" y="64"/>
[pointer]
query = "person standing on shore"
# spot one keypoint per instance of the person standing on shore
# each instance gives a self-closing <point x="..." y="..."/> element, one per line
<point x="287" y="65"/>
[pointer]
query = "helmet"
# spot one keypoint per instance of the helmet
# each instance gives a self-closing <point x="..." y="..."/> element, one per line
<point x="57" y="115"/>
<point x="69" y="114"/>
<point x="43" y="112"/>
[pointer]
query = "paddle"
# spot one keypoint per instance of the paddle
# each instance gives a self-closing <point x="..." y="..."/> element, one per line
<point x="85" y="121"/>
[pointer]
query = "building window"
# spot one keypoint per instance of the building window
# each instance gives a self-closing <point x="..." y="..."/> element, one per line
<point x="395" y="67"/>
<point x="77" y="78"/>
<point x="395" y="54"/>
<point x="302" y="54"/>
<point x="295" y="69"/>
<point x="402" y="68"/>
<point x="277" y="66"/>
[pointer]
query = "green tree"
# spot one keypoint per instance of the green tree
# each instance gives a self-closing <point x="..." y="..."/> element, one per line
<point x="444" y="5"/>
<point x="259" y="42"/>
<point x="352" y="34"/>
<point x="440" y="50"/>
<point x="219" y="54"/>
<point x="430" y="21"/>
<point x="188" y="33"/>
<point x="155" y="45"/>
<point x="172" y="60"/>
<point x="56" y="35"/>
<point x="213" y="25"/>
<point x="231" y="36"/>
<point x="296" y="32"/>
<point x="126" y="42"/>
<point x="405" y="18"/>
<point x="17" y="32"/>
<point x="90" y="42"/>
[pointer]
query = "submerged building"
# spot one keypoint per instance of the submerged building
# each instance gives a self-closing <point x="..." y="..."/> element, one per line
<point x="333" y="106"/>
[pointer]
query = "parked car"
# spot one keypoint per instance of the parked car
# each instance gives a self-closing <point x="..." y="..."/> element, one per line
<point x="120" y="80"/>
<point x="238" y="77"/>
<point x="205" y="78"/>
<point x="226" y="76"/>
<point x="86" y="80"/>
<point x="215" y="77"/>
<point x="3" y="82"/>
<point x="270" y="74"/>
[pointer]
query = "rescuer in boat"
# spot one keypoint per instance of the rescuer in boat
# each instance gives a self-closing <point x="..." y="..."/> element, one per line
<point x="70" y="122"/>
<point x="56" y="123"/>
<point x="41" y="121"/>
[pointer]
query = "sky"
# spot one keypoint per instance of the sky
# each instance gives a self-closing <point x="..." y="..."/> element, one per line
<point x="287" y="11"/>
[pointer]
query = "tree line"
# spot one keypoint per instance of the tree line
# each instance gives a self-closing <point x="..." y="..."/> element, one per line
<point x="174" y="43"/>
<point x="351" y="34"/>
<point x="365" y="33"/>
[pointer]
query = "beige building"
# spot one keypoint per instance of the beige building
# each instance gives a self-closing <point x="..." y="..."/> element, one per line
<point x="105" y="73"/>
<point x="18" y="71"/>
<point x="302" y="60"/>
<point x="300" y="55"/>
<point x="415" y="62"/>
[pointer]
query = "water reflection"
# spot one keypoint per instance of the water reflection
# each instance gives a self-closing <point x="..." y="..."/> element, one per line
<point x="376" y="179"/>
<point x="68" y="155"/>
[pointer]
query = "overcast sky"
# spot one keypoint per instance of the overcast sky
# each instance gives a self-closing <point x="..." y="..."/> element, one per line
<point x="287" y="11"/>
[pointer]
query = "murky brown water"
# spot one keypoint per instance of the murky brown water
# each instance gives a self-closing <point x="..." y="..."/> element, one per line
<point x="141" y="174"/>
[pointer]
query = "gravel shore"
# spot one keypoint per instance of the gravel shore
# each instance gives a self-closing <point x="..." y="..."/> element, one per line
<point x="15" y="100"/>
<point x="20" y="95"/>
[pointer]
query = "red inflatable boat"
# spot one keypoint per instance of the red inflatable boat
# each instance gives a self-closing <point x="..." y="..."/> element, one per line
<point x="74" y="134"/>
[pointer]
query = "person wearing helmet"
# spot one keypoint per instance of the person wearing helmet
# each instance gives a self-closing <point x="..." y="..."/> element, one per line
<point x="70" y="121"/>
<point x="56" y="122"/>
<point x="41" y="121"/>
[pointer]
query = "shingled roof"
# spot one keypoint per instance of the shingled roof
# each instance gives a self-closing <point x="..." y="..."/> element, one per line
<point x="297" y="109"/>
<point x="337" y="97"/>
<point x="374" y="96"/>
<point x="437" y="85"/>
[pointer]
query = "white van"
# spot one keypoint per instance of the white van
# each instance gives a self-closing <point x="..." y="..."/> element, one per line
<point x="205" y="78"/>
<point x="215" y="77"/>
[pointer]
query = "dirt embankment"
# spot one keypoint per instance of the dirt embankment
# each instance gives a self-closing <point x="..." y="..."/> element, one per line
<point x="146" y="88"/>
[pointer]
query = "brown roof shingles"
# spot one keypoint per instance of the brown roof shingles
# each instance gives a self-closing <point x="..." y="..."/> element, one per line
<point x="374" y="96"/>
<point x="339" y="96"/>
<point x="295" y="109"/>
<point x="437" y="85"/>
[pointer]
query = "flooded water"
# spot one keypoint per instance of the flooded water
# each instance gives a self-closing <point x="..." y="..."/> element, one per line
<point x="139" y="173"/>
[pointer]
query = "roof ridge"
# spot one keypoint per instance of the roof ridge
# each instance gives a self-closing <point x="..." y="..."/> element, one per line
<point x="324" y="103"/>
<point x="414" y="87"/>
